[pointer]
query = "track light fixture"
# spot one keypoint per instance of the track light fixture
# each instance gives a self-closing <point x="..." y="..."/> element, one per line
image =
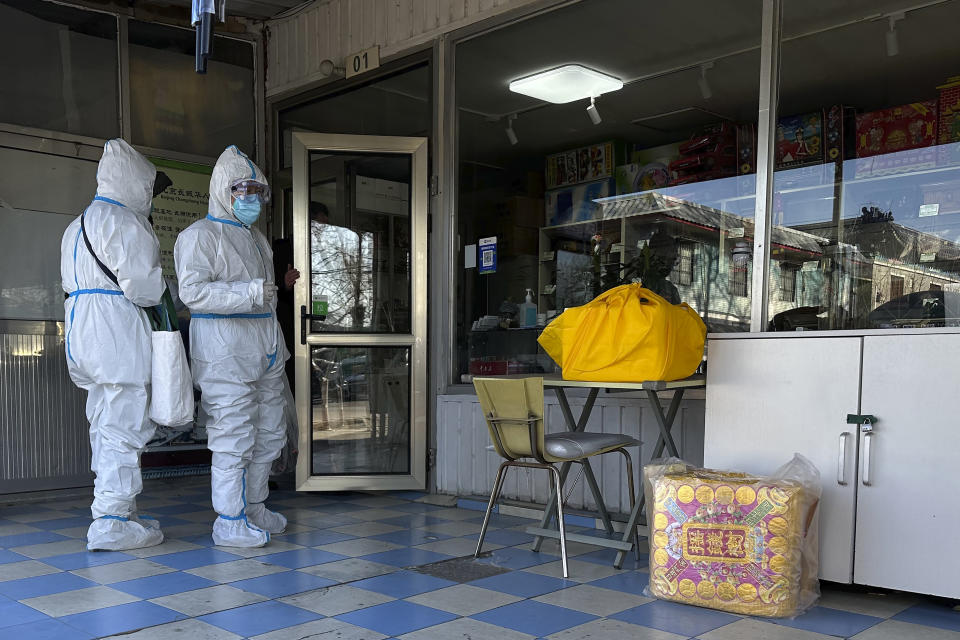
<point x="511" y="134"/>
<point x="702" y="80"/>
<point x="893" y="43"/>
<point x="593" y="113"/>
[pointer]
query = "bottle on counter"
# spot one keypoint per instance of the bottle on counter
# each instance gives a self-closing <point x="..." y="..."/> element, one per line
<point x="528" y="311"/>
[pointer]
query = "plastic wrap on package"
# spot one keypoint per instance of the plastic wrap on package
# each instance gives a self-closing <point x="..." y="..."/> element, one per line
<point x="734" y="542"/>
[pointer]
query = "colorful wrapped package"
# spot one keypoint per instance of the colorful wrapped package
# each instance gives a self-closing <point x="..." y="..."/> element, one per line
<point x="734" y="542"/>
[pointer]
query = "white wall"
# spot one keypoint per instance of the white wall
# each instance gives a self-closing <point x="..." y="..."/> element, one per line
<point x="466" y="468"/>
<point x="333" y="29"/>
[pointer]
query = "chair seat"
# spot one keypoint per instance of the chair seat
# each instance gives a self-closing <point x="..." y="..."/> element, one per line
<point x="572" y="445"/>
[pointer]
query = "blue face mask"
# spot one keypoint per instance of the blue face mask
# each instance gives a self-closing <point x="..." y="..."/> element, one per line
<point x="247" y="209"/>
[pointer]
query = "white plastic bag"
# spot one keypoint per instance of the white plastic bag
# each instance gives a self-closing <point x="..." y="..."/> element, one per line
<point x="171" y="402"/>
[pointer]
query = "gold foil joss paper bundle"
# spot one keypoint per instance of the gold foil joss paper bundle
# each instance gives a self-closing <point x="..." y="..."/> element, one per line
<point x="734" y="542"/>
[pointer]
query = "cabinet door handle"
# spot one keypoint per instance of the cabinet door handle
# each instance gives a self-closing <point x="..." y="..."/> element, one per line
<point x="842" y="459"/>
<point x="867" y="441"/>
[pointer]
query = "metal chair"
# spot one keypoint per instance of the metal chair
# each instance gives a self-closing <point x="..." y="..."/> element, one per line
<point x="513" y="409"/>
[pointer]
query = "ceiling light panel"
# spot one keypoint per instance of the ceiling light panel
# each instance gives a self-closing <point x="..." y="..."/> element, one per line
<point x="566" y="84"/>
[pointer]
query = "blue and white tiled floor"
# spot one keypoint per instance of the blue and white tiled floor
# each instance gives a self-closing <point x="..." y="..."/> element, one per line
<point x="368" y="567"/>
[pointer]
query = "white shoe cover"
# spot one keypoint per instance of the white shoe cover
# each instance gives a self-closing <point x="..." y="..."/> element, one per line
<point x="261" y="517"/>
<point x="115" y="533"/>
<point x="238" y="533"/>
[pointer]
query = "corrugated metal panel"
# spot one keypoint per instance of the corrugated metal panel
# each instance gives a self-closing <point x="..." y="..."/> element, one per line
<point x="333" y="29"/>
<point x="43" y="427"/>
<point x="465" y="467"/>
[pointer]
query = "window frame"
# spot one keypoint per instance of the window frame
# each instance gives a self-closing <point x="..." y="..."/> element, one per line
<point x="683" y="271"/>
<point x="788" y="274"/>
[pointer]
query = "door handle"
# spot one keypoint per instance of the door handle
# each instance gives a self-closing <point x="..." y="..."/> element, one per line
<point x="303" y="324"/>
<point x="304" y="317"/>
<point x="842" y="459"/>
<point x="867" y="431"/>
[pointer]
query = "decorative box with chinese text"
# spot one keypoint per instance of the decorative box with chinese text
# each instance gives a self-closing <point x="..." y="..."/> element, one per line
<point x="734" y="542"/>
<point x="897" y="140"/>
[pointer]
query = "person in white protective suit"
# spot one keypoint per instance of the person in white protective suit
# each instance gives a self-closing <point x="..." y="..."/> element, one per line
<point x="108" y="338"/>
<point x="225" y="270"/>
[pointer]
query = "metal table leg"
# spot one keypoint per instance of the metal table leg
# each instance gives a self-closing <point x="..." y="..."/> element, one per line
<point x="664" y="440"/>
<point x="665" y="422"/>
<point x="572" y="425"/>
<point x="597" y="496"/>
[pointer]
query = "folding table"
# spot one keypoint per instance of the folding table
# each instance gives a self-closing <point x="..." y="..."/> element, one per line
<point x="664" y="441"/>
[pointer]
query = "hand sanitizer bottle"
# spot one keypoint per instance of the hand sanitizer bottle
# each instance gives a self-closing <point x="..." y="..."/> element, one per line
<point x="528" y="311"/>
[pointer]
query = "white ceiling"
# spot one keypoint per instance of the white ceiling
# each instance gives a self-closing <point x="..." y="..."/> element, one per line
<point x="658" y="46"/>
<point x="833" y="53"/>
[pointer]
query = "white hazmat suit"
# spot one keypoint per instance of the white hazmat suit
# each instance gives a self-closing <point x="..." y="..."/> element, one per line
<point x="108" y="339"/>
<point x="238" y="354"/>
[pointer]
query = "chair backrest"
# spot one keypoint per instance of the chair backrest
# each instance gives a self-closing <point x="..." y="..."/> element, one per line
<point x="513" y="409"/>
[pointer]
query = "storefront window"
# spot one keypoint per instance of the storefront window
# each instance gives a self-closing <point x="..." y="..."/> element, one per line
<point x="59" y="68"/>
<point x="171" y="107"/>
<point x="654" y="181"/>
<point x="868" y="166"/>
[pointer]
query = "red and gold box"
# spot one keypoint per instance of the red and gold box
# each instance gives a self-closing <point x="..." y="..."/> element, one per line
<point x="948" y="126"/>
<point x="948" y="129"/>
<point x="911" y="126"/>
<point x="894" y="134"/>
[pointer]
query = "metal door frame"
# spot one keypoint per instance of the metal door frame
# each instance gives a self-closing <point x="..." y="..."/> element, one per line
<point x="416" y="148"/>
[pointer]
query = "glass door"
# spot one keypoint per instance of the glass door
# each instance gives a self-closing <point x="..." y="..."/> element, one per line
<point x="360" y="243"/>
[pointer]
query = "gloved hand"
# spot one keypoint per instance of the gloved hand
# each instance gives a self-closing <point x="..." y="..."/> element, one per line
<point x="269" y="293"/>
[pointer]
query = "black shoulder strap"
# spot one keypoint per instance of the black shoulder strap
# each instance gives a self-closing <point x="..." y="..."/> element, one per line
<point x="102" y="266"/>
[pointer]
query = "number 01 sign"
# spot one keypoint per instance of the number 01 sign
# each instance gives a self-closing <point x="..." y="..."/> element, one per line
<point x="362" y="61"/>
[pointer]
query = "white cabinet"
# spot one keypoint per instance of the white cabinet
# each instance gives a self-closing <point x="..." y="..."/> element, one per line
<point x="908" y="517"/>
<point x="769" y="398"/>
<point x="888" y="519"/>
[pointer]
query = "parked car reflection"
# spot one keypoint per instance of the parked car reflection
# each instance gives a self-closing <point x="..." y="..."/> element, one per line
<point x="932" y="308"/>
<point x="799" y="319"/>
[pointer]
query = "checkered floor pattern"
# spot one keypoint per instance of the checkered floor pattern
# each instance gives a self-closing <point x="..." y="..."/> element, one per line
<point x="357" y="566"/>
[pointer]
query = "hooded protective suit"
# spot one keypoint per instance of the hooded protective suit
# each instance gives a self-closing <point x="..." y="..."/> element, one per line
<point x="238" y="354"/>
<point x="108" y="339"/>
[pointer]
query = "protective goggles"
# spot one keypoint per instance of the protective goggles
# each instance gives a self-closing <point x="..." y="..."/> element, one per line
<point x="243" y="188"/>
